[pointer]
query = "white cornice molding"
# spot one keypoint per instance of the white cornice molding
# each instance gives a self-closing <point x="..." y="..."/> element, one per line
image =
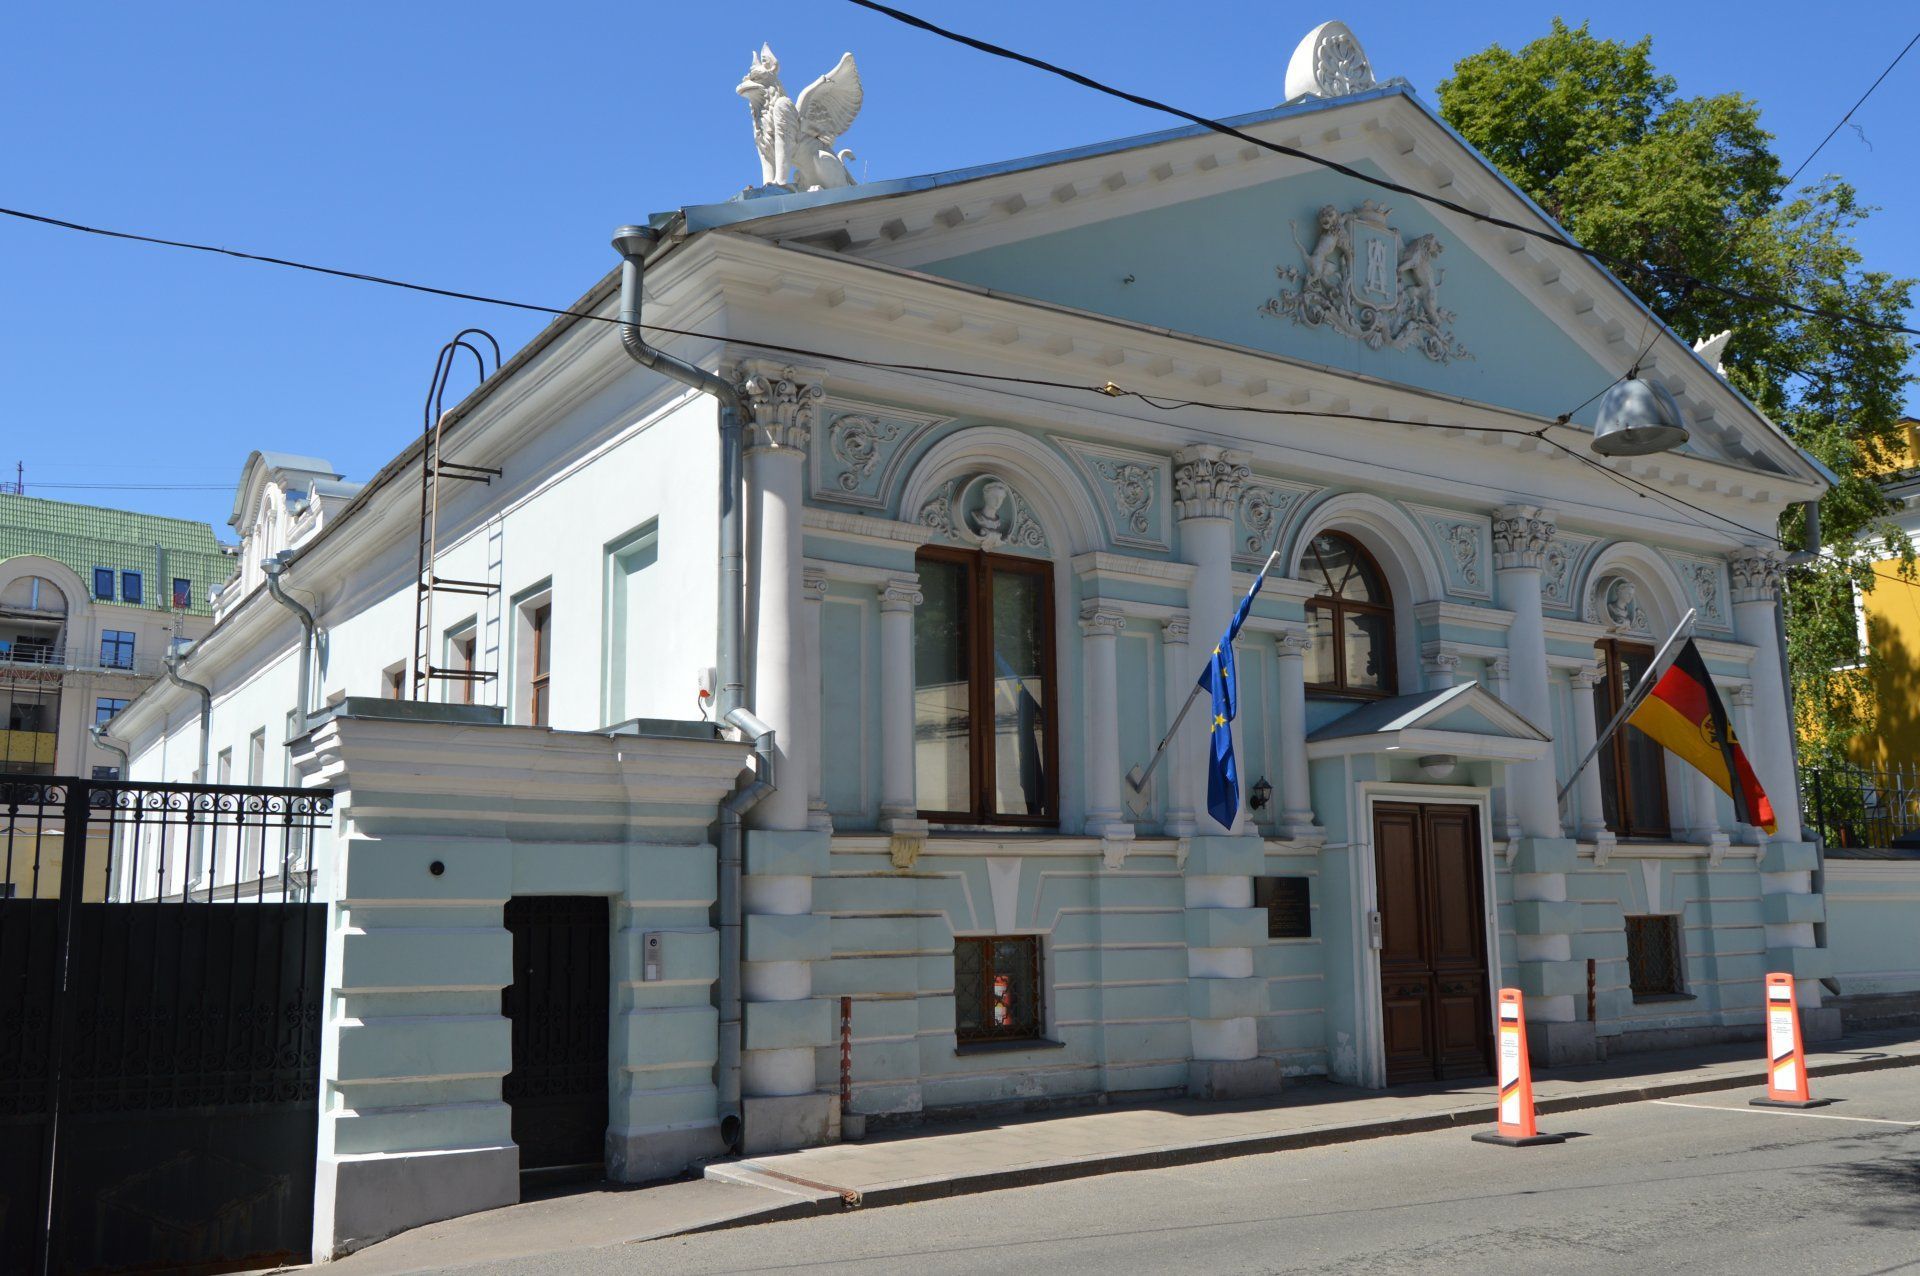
<point x="867" y="528"/>
<point x="1576" y="294"/>
<point x="1438" y="612"/>
<point x="1099" y="565"/>
<point x="979" y="328"/>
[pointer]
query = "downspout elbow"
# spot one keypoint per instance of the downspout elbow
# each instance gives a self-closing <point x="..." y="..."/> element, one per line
<point x="171" y="663"/>
<point x="765" y="781"/>
<point x="99" y="734"/>
<point x="274" y="568"/>
<point x="632" y="243"/>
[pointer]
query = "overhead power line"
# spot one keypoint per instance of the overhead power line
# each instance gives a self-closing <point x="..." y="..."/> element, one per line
<point x="1614" y="264"/>
<point x="1107" y="389"/>
<point x="1850" y="110"/>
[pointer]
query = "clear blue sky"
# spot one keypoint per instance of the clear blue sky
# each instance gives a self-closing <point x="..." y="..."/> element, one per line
<point x="492" y="147"/>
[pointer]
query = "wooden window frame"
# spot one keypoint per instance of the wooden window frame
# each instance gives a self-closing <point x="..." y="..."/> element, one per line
<point x="980" y="567"/>
<point x="1037" y="956"/>
<point x="539" y="680"/>
<point x="1615" y="749"/>
<point x="1390" y="682"/>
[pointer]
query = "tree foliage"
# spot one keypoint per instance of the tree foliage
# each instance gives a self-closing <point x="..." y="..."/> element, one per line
<point x="1690" y="187"/>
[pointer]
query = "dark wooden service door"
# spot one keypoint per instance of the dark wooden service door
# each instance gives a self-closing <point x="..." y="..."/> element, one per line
<point x="559" y="1005"/>
<point x="1433" y="953"/>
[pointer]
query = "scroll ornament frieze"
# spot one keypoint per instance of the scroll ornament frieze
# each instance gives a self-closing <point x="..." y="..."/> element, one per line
<point x="1263" y="512"/>
<point x="983" y="510"/>
<point x="856" y="441"/>
<point x="1130" y="487"/>
<point x="1362" y="281"/>
<point x="1704" y="579"/>
<point x="1463" y="539"/>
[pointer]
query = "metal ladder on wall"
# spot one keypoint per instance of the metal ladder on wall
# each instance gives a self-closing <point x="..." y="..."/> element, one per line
<point x="434" y="469"/>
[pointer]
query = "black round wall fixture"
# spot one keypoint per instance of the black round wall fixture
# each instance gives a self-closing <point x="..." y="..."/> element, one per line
<point x="436" y="868"/>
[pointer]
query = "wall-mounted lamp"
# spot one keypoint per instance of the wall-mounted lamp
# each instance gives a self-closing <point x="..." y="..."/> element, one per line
<point x="1438" y="766"/>
<point x="1261" y="795"/>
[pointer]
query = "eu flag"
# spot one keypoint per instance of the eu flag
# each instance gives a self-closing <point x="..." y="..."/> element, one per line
<point x="1218" y="679"/>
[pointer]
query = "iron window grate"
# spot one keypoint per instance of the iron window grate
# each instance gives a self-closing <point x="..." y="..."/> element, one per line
<point x="1653" y="956"/>
<point x="996" y="988"/>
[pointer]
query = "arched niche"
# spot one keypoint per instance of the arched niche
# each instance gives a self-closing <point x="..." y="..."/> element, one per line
<point x="1402" y="552"/>
<point x="1632" y="592"/>
<point x="992" y="484"/>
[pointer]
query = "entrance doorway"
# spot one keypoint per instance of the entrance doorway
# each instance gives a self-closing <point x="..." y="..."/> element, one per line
<point x="1433" y="953"/>
<point x="559" y="1005"/>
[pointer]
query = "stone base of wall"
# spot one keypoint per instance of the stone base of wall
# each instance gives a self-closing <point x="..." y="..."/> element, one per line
<point x="1645" y="1039"/>
<point x="1553" y="1044"/>
<point x="642" y="1156"/>
<point x="362" y="1199"/>
<point x="1233" y="1078"/>
<point x="783" y="1123"/>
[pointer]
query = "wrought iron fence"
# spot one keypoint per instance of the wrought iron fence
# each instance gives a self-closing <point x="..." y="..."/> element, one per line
<point x="1858" y="807"/>
<point x="156" y="842"/>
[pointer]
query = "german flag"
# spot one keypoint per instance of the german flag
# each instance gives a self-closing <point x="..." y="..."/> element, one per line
<point x="1684" y="715"/>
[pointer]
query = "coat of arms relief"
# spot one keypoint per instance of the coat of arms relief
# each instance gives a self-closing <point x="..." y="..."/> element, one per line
<point x="1361" y="280"/>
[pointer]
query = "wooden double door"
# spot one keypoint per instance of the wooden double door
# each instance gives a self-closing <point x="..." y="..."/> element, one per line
<point x="1434" y="1006"/>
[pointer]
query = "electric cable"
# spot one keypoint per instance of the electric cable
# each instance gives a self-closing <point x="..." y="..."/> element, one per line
<point x="1850" y="110"/>
<point x="1615" y="265"/>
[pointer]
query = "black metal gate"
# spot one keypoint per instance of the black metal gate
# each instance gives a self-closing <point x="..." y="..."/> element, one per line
<point x="558" y="1002"/>
<point x="160" y="991"/>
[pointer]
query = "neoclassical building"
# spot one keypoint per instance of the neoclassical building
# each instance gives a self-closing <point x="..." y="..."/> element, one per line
<point x="1016" y="439"/>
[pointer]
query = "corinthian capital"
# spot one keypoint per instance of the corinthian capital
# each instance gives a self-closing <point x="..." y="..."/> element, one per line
<point x="1208" y="481"/>
<point x="780" y="408"/>
<point x="1521" y="534"/>
<point x="1756" y="574"/>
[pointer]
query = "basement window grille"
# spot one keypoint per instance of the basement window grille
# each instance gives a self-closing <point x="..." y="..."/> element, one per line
<point x="1653" y="956"/>
<point x="997" y="989"/>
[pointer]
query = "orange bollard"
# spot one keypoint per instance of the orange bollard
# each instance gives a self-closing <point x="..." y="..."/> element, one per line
<point x="1516" y="1128"/>
<point x="1786" y="1057"/>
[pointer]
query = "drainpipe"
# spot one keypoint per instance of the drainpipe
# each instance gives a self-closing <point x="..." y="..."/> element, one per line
<point x="275" y="567"/>
<point x="196" y="858"/>
<point x="632" y="243"/>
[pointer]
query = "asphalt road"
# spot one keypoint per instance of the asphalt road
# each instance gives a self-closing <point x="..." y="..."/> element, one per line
<point x="1704" y="1183"/>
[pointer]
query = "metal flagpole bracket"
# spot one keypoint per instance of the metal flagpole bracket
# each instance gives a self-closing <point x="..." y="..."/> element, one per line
<point x="1662" y="661"/>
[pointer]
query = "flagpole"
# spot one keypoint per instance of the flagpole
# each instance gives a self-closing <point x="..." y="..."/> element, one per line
<point x="1138" y="777"/>
<point x="1662" y="659"/>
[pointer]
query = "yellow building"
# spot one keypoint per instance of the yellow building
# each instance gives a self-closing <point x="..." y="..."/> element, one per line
<point x="1890" y="628"/>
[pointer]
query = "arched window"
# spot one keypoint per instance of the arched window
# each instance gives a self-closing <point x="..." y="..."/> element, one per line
<point x="1350" y="619"/>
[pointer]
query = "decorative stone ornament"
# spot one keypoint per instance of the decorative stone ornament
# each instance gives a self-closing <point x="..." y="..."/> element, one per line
<point x="1208" y="481"/>
<point x="983" y="510"/>
<point x="1521" y="535"/>
<point x="781" y="409"/>
<point x="1329" y="62"/>
<point x="1360" y="280"/>
<point x="1756" y="574"/>
<point x="797" y="136"/>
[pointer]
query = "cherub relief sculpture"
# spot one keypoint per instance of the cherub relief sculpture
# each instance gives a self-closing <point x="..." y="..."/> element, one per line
<point x="797" y="136"/>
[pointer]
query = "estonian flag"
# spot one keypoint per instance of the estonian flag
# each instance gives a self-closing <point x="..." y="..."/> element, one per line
<point x="1218" y="678"/>
<point x="1684" y="715"/>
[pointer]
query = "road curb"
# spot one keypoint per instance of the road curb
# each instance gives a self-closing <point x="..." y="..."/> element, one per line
<point x="1193" y="1154"/>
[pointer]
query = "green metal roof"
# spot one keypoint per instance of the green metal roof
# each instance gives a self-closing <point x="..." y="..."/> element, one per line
<point x="86" y="537"/>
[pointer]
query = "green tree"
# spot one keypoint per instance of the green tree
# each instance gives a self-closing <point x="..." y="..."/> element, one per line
<point x="1691" y="188"/>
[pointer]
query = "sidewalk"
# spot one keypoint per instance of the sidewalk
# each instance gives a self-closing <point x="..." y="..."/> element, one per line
<point x="954" y="1159"/>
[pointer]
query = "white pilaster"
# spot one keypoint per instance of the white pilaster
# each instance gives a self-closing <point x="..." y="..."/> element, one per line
<point x="1100" y="628"/>
<point x="1296" y="792"/>
<point x="1521" y="534"/>
<point x="899" y="804"/>
<point x="1589" y="803"/>
<point x="1786" y="861"/>
<point x="813" y="590"/>
<point x="1176" y="767"/>
<point x="780" y="409"/>
<point x="1207" y="483"/>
